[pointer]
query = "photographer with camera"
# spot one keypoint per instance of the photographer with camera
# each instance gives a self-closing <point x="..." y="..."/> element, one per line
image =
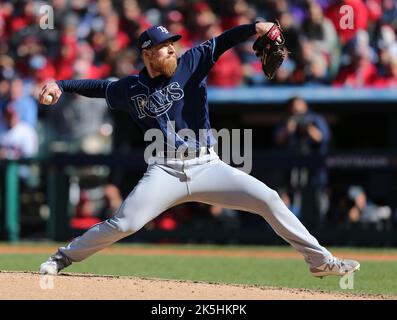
<point x="306" y="132"/>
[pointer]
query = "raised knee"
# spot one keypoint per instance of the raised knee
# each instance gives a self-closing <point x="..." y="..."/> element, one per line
<point x="131" y="227"/>
<point x="122" y="226"/>
<point x="272" y="195"/>
<point x="128" y="228"/>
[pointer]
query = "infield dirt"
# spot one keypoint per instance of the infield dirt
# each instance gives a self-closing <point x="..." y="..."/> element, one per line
<point x="32" y="286"/>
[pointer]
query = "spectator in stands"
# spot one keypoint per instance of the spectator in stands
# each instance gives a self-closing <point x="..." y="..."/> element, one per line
<point x="203" y="18"/>
<point x="61" y="12"/>
<point x="82" y="124"/>
<point x="227" y="72"/>
<point x="104" y="8"/>
<point x="291" y="33"/>
<point x="6" y="13"/>
<point x="23" y="102"/>
<point x="226" y="218"/>
<point x="235" y="12"/>
<point x="321" y="31"/>
<point x="25" y="16"/>
<point x="361" y="71"/>
<point x="316" y="72"/>
<point x="364" y="210"/>
<point x="7" y="69"/>
<point x="68" y="49"/>
<point x="83" y="10"/>
<point x="375" y="12"/>
<point x="158" y="10"/>
<point x="319" y="28"/>
<point x="359" y="18"/>
<point x="84" y="217"/>
<point x="273" y="8"/>
<point x="175" y="23"/>
<point x="110" y="27"/>
<point x="287" y="197"/>
<point x="85" y="67"/>
<point x="133" y="20"/>
<point x="387" y="54"/>
<point x="390" y="77"/>
<point x="126" y="64"/>
<point x="32" y="61"/>
<point x="78" y="121"/>
<point x="386" y="39"/>
<point x="312" y="68"/>
<point x="286" y="74"/>
<point x="177" y="217"/>
<point x="306" y="132"/>
<point x="118" y="40"/>
<point x="20" y="140"/>
<point x="113" y="200"/>
<point x="4" y="91"/>
<point x="389" y="15"/>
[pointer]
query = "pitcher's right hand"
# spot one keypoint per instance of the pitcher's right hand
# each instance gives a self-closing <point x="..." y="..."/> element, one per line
<point x="50" y="88"/>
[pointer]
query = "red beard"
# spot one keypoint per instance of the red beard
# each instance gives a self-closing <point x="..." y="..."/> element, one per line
<point x="166" y="66"/>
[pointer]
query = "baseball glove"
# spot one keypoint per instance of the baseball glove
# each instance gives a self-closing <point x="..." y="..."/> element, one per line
<point x="270" y="48"/>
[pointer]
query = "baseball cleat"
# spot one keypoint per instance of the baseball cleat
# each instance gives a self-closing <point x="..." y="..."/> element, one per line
<point x="335" y="267"/>
<point x="54" y="264"/>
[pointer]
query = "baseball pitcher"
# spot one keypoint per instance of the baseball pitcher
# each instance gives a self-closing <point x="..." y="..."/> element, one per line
<point x="170" y="94"/>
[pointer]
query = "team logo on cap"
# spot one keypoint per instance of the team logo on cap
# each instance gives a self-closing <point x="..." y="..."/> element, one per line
<point x="146" y="44"/>
<point x="163" y="29"/>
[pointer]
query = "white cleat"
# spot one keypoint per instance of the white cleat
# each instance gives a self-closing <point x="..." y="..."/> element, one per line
<point x="48" y="267"/>
<point x="335" y="267"/>
<point x="54" y="264"/>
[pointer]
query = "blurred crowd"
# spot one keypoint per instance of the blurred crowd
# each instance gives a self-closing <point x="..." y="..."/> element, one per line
<point x="98" y="39"/>
<point x="331" y="42"/>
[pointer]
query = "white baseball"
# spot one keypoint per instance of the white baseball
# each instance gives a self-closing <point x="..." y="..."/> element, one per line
<point x="48" y="99"/>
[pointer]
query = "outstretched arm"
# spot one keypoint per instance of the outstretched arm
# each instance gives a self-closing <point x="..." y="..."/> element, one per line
<point x="89" y="88"/>
<point x="236" y="35"/>
<point x="202" y="58"/>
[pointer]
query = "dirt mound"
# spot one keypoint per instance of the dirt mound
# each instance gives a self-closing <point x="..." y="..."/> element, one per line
<point x="32" y="286"/>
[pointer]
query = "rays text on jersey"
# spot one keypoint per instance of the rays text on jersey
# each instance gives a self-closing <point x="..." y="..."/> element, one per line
<point x="158" y="102"/>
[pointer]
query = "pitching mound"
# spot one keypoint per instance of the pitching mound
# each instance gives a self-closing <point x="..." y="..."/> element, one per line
<point x="32" y="286"/>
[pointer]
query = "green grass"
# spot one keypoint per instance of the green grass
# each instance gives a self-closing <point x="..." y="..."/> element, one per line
<point x="374" y="277"/>
<point x="253" y="248"/>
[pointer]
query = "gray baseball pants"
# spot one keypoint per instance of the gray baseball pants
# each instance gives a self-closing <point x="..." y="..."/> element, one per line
<point x="168" y="182"/>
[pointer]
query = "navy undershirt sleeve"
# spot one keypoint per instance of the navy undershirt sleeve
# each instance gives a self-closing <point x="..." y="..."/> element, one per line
<point x="232" y="37"/>
<point x="92" y="88"/>
<point x="200" y="59"/>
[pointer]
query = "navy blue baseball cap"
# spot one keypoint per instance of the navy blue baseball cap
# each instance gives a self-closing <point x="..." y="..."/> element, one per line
<point x="156" y="35"/>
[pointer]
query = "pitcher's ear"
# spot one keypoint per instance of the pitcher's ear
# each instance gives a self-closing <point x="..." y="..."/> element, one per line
<point x="148" y="53"/>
